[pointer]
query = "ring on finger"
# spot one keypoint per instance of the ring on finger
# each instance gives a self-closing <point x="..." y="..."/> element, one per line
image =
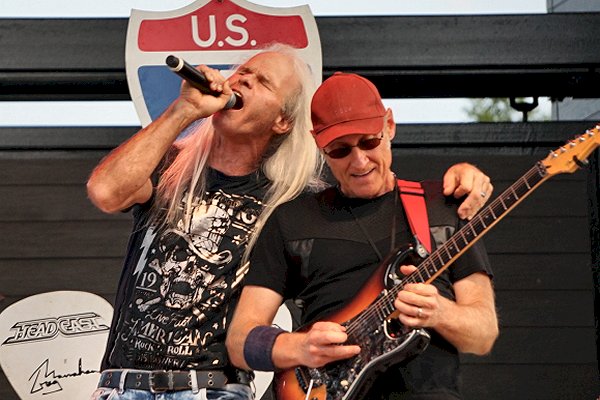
<point x="419" y="312"/>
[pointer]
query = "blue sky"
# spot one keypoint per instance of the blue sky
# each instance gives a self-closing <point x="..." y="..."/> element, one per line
<point x="123" y="113"/>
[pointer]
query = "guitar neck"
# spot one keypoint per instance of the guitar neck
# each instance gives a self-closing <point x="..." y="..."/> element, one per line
<point x="443" y="256"/>
<point x="568" y="158"/>
<point x="465" y="237"/>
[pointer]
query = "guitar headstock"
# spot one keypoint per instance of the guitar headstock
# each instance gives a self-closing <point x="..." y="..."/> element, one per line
<point x="574" y="154"/>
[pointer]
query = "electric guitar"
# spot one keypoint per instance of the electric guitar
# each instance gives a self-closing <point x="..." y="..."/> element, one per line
<point x="370" y="317"/>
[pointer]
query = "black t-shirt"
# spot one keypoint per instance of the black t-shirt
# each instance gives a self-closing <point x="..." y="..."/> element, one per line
<point x="320" y="249"/>
<point x="180" y="284"/>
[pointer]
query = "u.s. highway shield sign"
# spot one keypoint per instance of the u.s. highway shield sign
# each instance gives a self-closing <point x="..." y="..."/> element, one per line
<point x="218" y="33"/>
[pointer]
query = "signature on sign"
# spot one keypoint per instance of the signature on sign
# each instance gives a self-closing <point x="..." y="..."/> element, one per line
<point x="47" y="381"/>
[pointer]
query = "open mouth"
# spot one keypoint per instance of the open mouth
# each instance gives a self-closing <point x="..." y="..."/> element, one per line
<point x="239" y="101"/>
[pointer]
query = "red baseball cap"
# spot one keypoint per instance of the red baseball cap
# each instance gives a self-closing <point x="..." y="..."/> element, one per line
<point x="345" y="104"/>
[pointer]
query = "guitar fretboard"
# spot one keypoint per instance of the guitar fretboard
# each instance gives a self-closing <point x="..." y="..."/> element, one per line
<point x="447" y="253"/>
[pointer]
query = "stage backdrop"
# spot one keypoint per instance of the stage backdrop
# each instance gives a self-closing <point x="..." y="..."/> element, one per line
<point x="545" y="254"/>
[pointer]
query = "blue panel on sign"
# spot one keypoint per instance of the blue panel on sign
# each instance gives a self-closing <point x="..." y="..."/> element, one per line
<point x="160" y="86"/>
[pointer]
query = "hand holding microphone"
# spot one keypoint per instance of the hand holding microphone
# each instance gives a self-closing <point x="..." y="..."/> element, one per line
<point x="199" y="81"/>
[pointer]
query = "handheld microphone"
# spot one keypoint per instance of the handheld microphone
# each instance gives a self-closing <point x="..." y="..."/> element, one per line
<point x="198" y="80"/>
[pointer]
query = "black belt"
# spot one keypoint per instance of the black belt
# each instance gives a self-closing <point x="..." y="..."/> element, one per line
<point x="163" y="381"/>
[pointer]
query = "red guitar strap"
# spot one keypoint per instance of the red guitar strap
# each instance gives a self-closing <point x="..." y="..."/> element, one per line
<point x="413" y="200"/>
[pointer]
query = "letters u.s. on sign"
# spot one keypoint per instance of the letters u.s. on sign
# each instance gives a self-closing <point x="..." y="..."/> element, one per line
<point x="218" y="33"/>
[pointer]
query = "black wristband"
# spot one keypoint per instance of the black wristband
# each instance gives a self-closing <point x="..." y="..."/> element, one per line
<point x="258" y="347"/>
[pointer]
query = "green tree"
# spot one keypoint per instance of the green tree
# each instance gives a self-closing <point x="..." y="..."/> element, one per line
<point x="500" y="110"/>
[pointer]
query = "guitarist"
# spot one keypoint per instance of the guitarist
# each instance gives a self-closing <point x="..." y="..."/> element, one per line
<point x="321" y="248"/>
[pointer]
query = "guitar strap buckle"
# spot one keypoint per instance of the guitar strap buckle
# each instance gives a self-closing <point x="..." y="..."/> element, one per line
<point x="420" y="249"/>
<point x="412" y="195"/>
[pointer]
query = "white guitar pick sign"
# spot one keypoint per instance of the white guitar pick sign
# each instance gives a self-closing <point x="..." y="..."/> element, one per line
<point x="51" y="344"/>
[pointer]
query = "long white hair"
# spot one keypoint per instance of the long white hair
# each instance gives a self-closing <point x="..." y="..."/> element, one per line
<point x="292" y="162"/>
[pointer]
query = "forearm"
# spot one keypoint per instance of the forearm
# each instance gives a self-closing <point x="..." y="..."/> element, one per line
<point x="471" y="328"/>
<point x="284" y="352"/>
<point x="236" y="338"/>
<point x="123" y="177"/>
<point x="320" y="345"/>
<point x="247" y="317"/>
<point x="469" y="322"/>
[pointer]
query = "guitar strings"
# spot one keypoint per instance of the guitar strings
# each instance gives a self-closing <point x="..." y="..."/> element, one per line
<point x="361" y="326"/>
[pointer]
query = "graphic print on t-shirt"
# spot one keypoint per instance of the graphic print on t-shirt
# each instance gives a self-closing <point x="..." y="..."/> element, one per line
<point x="182" y="278"/>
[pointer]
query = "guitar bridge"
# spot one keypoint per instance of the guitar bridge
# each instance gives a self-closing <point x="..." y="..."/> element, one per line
<point x="304" y="376"/>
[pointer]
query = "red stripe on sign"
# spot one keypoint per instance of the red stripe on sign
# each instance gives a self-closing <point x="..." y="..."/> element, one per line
<point x="221" y="26"/>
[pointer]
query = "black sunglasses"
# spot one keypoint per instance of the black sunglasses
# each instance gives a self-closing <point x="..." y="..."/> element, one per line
<point x="364" y="144"/>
